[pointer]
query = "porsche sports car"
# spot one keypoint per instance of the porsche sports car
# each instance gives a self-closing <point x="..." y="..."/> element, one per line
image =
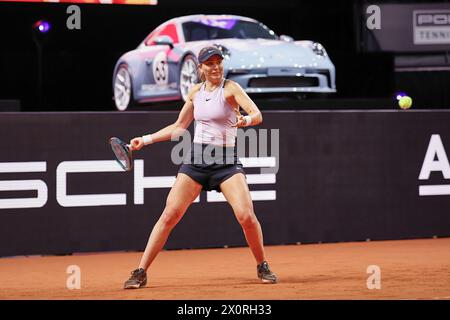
<point x="164" y="66"/>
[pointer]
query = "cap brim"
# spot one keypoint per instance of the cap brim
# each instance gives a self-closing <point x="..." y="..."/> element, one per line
<point x="209" y="55"/>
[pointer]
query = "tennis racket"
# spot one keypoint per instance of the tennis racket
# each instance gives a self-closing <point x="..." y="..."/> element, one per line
<point x="122" y="152"/>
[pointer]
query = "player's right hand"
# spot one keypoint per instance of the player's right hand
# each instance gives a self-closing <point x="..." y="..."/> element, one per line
<point x="136" y="143"/>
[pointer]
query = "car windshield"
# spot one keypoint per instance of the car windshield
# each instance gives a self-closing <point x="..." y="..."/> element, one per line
<point x="208" y="29"/>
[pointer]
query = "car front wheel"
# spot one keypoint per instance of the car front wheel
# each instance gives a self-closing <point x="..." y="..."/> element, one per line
<point x="123" y="93"/>
<point x="188" y="75"/>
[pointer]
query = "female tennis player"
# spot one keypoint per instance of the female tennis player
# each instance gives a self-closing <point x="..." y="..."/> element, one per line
<point x="214" y="104"/>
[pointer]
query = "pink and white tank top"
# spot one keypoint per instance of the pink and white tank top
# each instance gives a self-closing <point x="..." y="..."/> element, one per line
<point x="214" y="118"/>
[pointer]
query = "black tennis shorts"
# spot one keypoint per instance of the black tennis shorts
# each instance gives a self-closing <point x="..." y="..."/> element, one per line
<point x="211" y="165"/>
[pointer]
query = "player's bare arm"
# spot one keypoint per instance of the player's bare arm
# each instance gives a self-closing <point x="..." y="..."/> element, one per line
<point x="174" y="130"/>
<point x="240" y="98"/>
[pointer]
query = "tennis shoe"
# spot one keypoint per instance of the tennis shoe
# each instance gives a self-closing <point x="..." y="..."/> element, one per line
<point x="265" y="274"/>
<point x="138" y="279"/>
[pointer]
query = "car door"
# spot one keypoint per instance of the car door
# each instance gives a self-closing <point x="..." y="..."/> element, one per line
<point x="161" y="65"/>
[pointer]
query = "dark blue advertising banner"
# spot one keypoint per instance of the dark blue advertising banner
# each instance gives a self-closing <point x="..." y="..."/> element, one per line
<point x="314" y="176"/>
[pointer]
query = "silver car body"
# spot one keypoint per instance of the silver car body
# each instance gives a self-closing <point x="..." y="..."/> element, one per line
<point x="158" y="71"/>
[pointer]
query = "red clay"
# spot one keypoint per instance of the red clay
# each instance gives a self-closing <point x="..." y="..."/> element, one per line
<point x="410" y="269"/>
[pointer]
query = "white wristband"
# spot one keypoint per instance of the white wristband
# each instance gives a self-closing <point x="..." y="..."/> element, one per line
<point x="147" y="139"/>
<point x="248" y="120"/>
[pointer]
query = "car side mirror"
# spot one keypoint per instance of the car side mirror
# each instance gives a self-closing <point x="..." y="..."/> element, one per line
<point x="286" y="38"/>
<point x="164" y="40"/>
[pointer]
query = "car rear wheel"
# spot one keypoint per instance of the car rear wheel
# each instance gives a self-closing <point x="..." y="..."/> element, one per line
<point x="188" y="75"/>
<point x="123" y="91"/>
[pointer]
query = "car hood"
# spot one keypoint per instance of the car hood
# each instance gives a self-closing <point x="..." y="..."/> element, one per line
<point x="262" y="53"/>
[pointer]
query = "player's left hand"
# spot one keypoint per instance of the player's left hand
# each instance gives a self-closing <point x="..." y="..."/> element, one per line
<point x="240" y="122"/>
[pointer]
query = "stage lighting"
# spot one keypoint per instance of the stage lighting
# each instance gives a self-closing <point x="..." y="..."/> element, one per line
<point x="400" y="94"/>
<point x="40" y="36"/>
<point x="42" y="26"/>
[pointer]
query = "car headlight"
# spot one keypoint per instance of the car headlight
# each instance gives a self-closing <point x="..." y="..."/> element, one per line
<point x="318" y="49"/>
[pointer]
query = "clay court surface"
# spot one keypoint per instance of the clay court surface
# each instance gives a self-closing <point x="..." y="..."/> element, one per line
<point x="410" y="269"/>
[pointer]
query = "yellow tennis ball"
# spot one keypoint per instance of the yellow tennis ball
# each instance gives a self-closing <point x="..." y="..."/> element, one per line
<point x="405" y="102"/>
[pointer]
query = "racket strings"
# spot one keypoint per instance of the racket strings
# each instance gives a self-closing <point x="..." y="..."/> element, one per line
<point x="122" y="153"/>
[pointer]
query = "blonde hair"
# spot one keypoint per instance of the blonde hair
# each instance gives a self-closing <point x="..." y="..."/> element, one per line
<point x="201" y="74"/>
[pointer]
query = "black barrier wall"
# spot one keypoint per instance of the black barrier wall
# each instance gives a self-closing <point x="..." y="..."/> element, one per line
<point x="342" y="176"/>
